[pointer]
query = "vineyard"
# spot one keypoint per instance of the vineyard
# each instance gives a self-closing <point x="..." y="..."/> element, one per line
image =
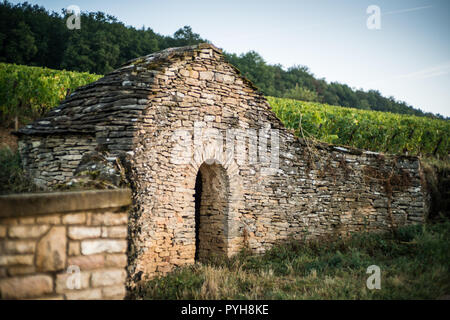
<point x="27" y="93"/>
<point x="371" y="130"/>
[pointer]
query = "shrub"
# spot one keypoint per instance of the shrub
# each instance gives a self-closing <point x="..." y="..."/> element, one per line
<point x="12" y="177"/>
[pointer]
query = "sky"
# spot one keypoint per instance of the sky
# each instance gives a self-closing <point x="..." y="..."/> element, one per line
<point x="407" y="57"/>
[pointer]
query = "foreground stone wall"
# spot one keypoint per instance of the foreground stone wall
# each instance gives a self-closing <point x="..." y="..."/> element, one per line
<point x="69" y="245"/>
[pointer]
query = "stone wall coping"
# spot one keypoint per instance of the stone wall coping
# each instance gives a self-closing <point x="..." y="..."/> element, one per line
<point x="17" y="205"/>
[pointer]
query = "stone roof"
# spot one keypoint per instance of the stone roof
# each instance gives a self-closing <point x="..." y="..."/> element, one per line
<point x="118" y="98"/>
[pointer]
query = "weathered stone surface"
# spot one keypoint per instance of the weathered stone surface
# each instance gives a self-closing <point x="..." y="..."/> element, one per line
<point x="224" y="78"/>
<point x="263" y="188"/>
<point x="53" y="219"/>
<point x="27" y="220"/>
<point x="74" y="248"/>
<point x="116" y="260"/>
<point x="87" y="262"/>
<point x="13" y="260"/>
<point x="109" y="219"/>
<point x="103" y="246"/>
<point x="114" y="292"/>
<point x="32" y="204"/>
<point x="25" y="287"/>
<point x="74" y="218"/>
<point x="91" y="294"/>
<point x="51" y="250"/>
<point x="97" y="170"/>
<point x="50" y="297"/>
<point x="108" y="277"/>
<point x="115" y="232"/>
<point x="79" y="233"/>
<point x="206" y="75"/>
<point x="22" y="246"/>
<point x="72" y="281"/>
<point x="2" y="231"/>
<point x="21" y="270"/>
<point x="9" y="222"/>
<point x="45" y="260"/>
<point x="27" y="231"/>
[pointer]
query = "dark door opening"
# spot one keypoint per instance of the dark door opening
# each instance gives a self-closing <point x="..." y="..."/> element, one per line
<point x="211" y="212"/>
<point x="198" y="201"/>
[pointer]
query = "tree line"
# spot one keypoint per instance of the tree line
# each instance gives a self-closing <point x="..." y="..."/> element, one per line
<point x="31" y="35"/>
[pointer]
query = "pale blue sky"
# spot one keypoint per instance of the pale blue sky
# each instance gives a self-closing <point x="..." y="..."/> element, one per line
<point x="408" y="58"/>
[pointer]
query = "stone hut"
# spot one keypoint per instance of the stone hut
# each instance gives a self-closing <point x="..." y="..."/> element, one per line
<point x="210" y="166"/>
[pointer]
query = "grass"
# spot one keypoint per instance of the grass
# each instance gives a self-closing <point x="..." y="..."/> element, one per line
<point x="414" y="262"/>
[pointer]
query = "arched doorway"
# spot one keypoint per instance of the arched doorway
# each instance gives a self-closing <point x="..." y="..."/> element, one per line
<point x="211" y="211"/>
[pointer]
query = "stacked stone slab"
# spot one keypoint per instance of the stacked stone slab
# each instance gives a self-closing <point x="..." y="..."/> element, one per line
<point x="317" y="190"/>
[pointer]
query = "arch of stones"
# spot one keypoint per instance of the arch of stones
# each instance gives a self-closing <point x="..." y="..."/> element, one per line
<point x="136" y="113"/>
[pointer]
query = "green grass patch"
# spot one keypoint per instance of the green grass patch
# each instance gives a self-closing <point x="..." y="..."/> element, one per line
<point x="414" y="262"/>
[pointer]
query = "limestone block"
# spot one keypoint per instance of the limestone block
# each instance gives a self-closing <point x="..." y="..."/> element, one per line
<point x="53" y="219"/>
<point x="75" y="218"/>
<point x="21" y="246"/>
<point x="116" y="260"/>
<point x="220" y="77"/>
<point x="87" y="262"/>
<point x="26" y="220"/>
<point x="79" y="233"/>
<point x="74" y="248"/>
<point x="109" y="219"/>
<point x="91" y="294"/>
<point x="72" y="281"/>
<point x="206" y="75"/>
<point x="13" y="260"/>
<point x="51" y="250"/>
<point x="115" y="232"/>
<point x="2" y="231"/>
<point x="116" y="292"/>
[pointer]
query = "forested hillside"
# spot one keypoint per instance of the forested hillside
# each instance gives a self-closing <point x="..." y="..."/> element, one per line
<point x="30" y="35"/>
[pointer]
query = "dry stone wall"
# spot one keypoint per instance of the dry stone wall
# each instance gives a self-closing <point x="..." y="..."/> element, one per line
<point x="212" y="224"/>
<point x="64" y="245"/>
